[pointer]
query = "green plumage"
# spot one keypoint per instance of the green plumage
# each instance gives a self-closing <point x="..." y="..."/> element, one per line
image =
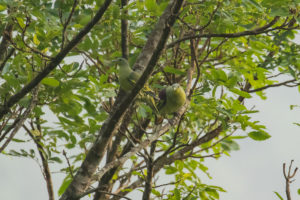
<point x="172" y="98"/>
<point x="128" y="78"/>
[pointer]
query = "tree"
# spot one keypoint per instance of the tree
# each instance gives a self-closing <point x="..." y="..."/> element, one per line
<point x="55" y="58"/>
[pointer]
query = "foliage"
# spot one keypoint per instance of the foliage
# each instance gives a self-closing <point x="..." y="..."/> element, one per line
<point x="234" y="49"/>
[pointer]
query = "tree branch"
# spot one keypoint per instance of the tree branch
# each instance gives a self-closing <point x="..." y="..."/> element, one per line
<point x="20" y="122"/>
<point x="124" y="31"/>
<point x="12" y="125"/>
<point x="65" y="25"/>
<point x="110" y="156"/>
<point x="2" y="63"/>
<point x="263" y="29"/>
<point x="97" y="190"/>
<point x="150" y="163"/>
<point x="46" y="169"/>
<point x="6" y="36"/>
<point x="148" y="57"/>
<point x="273" y="85"/>
<point x="288" y="176"/>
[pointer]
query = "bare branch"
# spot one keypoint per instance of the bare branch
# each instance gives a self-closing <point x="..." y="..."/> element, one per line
<point x="124" y="31"/>
<point x="68" y="162"/>
<point x="12" y="125"/>
<point x="207" y="24"/>
<point x="274" y="85"/>
<point x="97" y="190"/>
<point x="65" y="25"/>
<point x="111" y="155"/>
<point x="6" y="37"/>
<point x="288" y="178"/>
<point x="20" y="122"/>
<point x="45" y="166"/>
<point x="150" y="164"/>
<point x="260" y="30"/>
<point x="10" y="53"/>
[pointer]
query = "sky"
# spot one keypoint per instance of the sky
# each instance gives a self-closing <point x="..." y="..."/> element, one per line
<point x="253" y="172"/>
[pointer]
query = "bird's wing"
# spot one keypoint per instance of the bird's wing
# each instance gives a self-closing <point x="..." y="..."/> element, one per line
<point x="163" y="99"/>
<point x="133" y="78"/>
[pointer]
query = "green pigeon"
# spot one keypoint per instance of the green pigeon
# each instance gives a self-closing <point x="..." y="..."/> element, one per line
<point x="128" y="79"/>
<point x="172" y="98"/>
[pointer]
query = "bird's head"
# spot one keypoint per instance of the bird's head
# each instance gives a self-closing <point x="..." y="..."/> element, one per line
<point x="175" y="86"/>
<point x="178" y="90"/>
<point x="120" y="61"/>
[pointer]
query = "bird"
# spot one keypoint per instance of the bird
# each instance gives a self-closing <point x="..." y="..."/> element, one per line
<point x="172" y="98"/>
<point x="128" y="78"/>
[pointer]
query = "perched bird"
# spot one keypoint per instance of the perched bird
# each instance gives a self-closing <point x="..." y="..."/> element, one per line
<point x="128" y="79"/>
<point x="172" y="99"/>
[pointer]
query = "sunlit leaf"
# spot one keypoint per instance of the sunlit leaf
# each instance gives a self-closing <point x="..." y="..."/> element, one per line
<point x="51" y="82"/>
<point x="259" y="135"/>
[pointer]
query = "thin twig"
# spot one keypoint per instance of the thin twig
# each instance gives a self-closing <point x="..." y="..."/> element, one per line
<point x="150" y="164"/>
<point x="45" y="165"/>
<point x="10" y="53"/>
<point x="124" y="31"/>
<point x="65" y="25"/>
<point x="13" y="125"/>
<point x="69" y="165"/>
<point x="275" y="85"/>
<point x="260" y="30"/>
<point x="288" y="179"/>
<point x="97" y="190"/>
<point x="19" y="124"/>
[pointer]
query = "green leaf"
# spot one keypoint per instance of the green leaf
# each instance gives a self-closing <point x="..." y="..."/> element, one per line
<point x="50" y="82"/>
<point x="255" y="4"/>
<point x="212" y="192"/>
<point x="155" y="192"/>
<point x="229" y="145"/>
<point x="151" y="5"/>
<point x="172" y="70"/>
<point x="2" y="8"/>
<point x="36" y="40"/>
<point x="298" y="124"/>
<point x="221" y="75"/>
<point x="171" y="170"/>
<point x="259" y="135"/>
<point x="278" y="195"/>
<point x="18" y="140"/>
<point x="21" y="22"/>
<point x="177" y="194"/>
<point x="55" y="159"/>
<point x="240" y="93"/>
<point x="64" y="185"/>
<point x="231" y="82"/>
<point x="280" y="11"/>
